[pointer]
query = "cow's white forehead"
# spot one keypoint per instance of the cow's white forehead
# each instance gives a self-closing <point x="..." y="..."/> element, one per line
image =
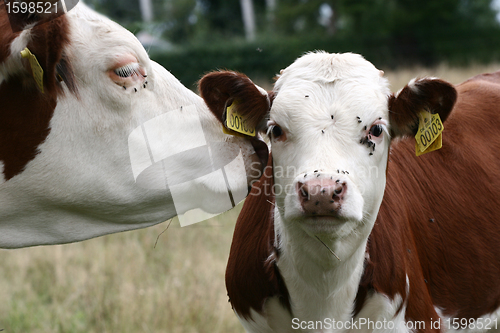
<point x="320" y="85"/>
<point x="101" y="39"/>
<point x="325" y="67"/>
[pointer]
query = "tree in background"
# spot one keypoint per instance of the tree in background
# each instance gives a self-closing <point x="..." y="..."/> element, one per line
<point x="211" y="33"/>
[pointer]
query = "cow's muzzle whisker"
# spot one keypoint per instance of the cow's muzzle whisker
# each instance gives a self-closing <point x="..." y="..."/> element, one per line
<point x="336" y="256"/>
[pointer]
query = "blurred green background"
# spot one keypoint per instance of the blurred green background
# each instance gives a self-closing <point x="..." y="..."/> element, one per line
<point x="260" y="37"/>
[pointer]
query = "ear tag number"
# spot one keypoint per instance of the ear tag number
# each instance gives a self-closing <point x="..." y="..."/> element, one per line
<point x="429" y="135"/>
<point x="235" y="122"/>
<point x="36" y="69"/>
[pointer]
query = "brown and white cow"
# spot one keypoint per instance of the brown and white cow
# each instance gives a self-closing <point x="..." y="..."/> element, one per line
<point x="348" y="230"/>
<point x="70" y="156"/>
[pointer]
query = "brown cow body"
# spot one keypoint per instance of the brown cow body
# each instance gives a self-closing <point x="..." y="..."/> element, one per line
<point x="439" y="218"/>
<point x="433" y="255"/>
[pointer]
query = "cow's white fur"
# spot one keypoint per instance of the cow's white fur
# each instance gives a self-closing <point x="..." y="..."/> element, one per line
<point x="488" y="323"/>
<point x="81" y="184"/>
<point x="13" y="65"/>
<point x="311" y="90"/>
<point x="2" y="178"/>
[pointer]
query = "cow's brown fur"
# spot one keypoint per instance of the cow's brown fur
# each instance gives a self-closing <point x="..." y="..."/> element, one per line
<point x="450" y="200"/>
<point x="422" y="95"/>
<point x="245" y="286"/>
<point x="26" y="112"/>
<point x="438" y="222"/>
<point x="220" y="89"/>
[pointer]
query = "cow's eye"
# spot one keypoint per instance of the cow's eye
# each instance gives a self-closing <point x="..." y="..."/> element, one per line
<point x="127" y="70"/>
<point x="277" y="131"/>
<point x="376" y="130"/>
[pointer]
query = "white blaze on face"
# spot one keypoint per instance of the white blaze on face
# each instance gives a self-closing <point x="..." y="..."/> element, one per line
<point x="328" y="127"/>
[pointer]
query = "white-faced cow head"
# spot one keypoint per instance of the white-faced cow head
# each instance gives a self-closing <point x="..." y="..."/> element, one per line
<point x="330" y="126"/>
<point x="65" y="154"/>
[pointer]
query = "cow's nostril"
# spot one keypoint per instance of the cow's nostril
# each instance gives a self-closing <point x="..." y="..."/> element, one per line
<point x="303" y="191"/>
<point x="338" y="191"/>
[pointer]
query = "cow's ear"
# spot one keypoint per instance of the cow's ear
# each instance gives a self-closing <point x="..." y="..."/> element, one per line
<point x="429" y="94"/>
<point x="221" y="89"/>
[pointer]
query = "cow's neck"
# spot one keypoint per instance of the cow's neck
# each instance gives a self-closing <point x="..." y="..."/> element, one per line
<point x="320" y="285"/>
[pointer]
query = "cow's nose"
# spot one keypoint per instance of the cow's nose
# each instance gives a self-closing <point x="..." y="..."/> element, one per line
<point x="321" y="196"/>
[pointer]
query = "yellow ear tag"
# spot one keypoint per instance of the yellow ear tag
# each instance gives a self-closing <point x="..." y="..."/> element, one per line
<point x="429" y="135"/>
<point x="36" y="69"/>
<point x="236" y="122"/>
<point x="231" y="132"/>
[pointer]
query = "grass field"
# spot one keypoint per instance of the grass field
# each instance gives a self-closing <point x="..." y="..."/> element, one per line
<point x="121" y="283"/>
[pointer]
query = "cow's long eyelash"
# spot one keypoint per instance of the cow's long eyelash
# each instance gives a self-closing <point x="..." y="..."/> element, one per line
<point x="128" y="70"/>
<point x="269" y="129"/>
<point x="270" y="125"/>
<point x="386" y="131"/>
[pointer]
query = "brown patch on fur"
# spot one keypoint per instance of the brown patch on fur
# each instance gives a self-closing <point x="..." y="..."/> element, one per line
<point x="435" y="96"/>
<point x="438" y="219"/>
<point x="26" y="112"/>
<point x="251" y="274"/>
<point x="220" y="89"/>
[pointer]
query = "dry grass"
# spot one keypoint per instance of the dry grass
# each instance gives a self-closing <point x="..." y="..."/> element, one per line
<point x="120" y="283"/>
<point x="400" y="78"/>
